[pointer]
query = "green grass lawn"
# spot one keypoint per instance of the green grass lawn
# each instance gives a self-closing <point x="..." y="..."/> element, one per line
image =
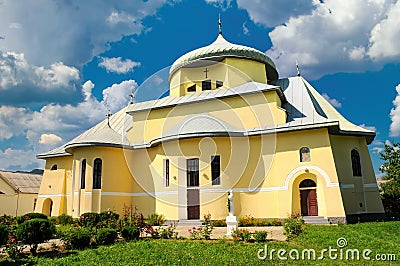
<point x="380" y="238"/>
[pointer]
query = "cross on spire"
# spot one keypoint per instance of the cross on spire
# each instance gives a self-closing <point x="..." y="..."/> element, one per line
<point x="298" y="69"/>
<point x="206" y="71"/>
<point x="132" y="97"/>
<point x="219" y="24"/>
<point x="108" y="115"/>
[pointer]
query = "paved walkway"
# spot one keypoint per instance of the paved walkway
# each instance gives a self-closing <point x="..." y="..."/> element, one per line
<point x="274" y="232"/>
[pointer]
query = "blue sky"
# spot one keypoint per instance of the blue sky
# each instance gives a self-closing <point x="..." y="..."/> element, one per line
<point x="64" y="63"/>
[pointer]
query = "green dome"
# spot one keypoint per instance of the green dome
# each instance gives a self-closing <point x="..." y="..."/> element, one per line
<point x="221" y="48"/>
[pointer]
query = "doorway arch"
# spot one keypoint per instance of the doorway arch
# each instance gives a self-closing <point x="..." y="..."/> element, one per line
<point x="47" y="207"/>
<point x="308" y="198"/>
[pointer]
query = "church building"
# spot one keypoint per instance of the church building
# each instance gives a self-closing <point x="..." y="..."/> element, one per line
<point x="230" y="127"/>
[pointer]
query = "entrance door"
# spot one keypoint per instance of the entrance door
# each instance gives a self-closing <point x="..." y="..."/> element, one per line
<point x="308" y="198"/>
<point x="193" y="192"/>
<point x="309" y="204"/>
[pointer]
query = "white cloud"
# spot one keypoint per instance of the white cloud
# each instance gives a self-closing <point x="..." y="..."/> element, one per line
<point x="117" y="96"/>
<point x="271" y="13"/>
<point x="15" y="70"/>
<point x="70" y="31"/>
<point x="245" y="29"/>
<point x="394" y="130"/>
<point x="371" y="128"/>
<point x="49" y="139"/>
<point x="332" y="101"/>
<point x="334" y="37"/>
<point x="223" y="4"/>
<point x="13" y="159"/>
<point x="385" y="36"/>
<point x="117" y="65"/>
<point x="12" y="121"/>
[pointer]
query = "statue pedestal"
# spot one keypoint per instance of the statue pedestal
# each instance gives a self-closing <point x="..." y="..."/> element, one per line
<point x="231" y="224"/>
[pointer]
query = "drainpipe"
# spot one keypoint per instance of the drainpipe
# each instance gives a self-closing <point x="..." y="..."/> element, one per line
<point x="73" y="187"/>
<point x="16" y="211"/>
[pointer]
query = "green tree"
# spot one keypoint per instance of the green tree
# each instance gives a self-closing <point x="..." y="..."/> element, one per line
<point x="391" y="169"/>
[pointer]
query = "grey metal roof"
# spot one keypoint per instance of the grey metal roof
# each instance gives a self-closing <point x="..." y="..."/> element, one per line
<point x="105" y="133"/>
<point x="170" y="101"/>
<point x="221" y="48"/>
<point x="305" y="107"/>
<point x="22" y="182"/>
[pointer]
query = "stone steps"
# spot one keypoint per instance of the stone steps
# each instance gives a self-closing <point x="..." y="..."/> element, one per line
<point x="315" y="220"/>
<point x="189" y="223"/>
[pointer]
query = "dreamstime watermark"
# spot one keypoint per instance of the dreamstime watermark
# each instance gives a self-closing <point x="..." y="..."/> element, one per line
<point x="339" y="252"/>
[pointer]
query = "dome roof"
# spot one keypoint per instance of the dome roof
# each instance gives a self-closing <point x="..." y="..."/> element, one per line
<point x="221" y="48"/>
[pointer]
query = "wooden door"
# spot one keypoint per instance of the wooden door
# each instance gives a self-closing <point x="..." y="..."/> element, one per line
<point x="312" y="203"/>
<point x="193" y="192"/>
<point x="193" y="204"/>
<point x="309" y="203"/>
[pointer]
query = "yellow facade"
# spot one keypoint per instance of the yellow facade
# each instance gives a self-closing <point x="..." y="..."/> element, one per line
<point x="274" y="161"/>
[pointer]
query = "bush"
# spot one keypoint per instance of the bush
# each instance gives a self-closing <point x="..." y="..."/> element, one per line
<point x="130" y="232"/>
<point x="108" y="219"/>
<point x="249" y="220"/>
<point x="3" y="234"/>
<point x="260" y="236"/>
<point x="65" y="219"/>
<point x="218" y="223"/>
<point x="168" y="232"/>
<point x="30" y="216"/>
<point x="77" y="238"/>
<point x="241" y="235"/>
<point x="34" y="232"/>
<point x="155" y="219"/>
<point x="106" y="236"/>
<point x="89" y="219"/>
<point x="293" y="226"/>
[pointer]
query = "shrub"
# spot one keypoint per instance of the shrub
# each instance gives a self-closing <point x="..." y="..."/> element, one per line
<point x="276" y="222"/>
<point x="260" y="236"/>
<point x="106" y="236"/>
<point x="218" y="223"/>
<point x="77" y="238"/>
<point x="241" y="235"/>
<point x="3" y="234"/>
<point x="14" y="248"/>
<point x="65" y="219"/>
<point x="34" y="232"/>
<point x="168" y="232"/>
<point x="155" y="219"/>
<point x="30" y="216"/>
<point x="207" y="228"/>
<point x="195" y="233"/>
<point x="249" y="220"/>
<point x="130" y="232"/>
<point x="108" y="219"/>
<point x="293" y="226"/>
<point x="89" y="219"/>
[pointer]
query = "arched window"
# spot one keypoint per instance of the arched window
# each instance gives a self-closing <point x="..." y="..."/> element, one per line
<point x="356" y="163"/>
<point x="83" y="173"/>
<point x="54" y="167"/>
<point x="305" y="154"/>
<point x="307" y="183"/>
<point x="97" y="173"/>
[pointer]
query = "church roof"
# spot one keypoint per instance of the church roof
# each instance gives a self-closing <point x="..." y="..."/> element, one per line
<point x="22" y="182"/>
<point x="305" y="107"/>
<point x="106" y="133"/>
<point x="221" y="48"/>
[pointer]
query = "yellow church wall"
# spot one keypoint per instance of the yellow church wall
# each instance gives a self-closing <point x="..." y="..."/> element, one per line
<point x="231" y="71"/>
<point x="356" y="190"/>
<point x="115" y="180"/>
<point x="237" y="175"/>
<point x="54" y="186"/>
<point x="242" y="112"/>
